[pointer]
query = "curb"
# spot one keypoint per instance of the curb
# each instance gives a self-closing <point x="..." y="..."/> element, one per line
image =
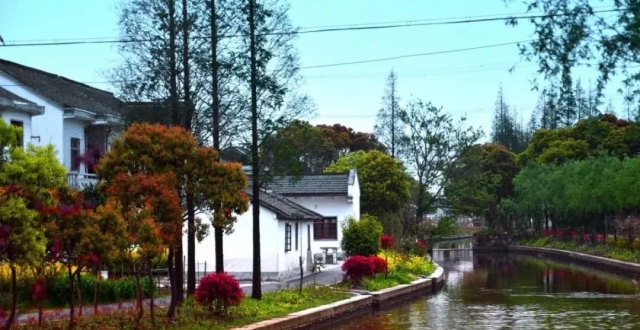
<point x="361" y="302"/>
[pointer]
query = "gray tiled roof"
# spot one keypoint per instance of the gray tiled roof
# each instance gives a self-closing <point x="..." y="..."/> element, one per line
<point x="317" y="184"/>
<point x="5" y="94"/>
<point x="284" y="208"/>
<point x="63" y="91"/>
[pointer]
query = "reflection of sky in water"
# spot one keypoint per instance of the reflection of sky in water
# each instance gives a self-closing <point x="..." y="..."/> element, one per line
<point x="500" y="291"/>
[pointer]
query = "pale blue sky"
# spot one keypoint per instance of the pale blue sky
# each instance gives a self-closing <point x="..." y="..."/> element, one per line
<point x="463" y="83"/>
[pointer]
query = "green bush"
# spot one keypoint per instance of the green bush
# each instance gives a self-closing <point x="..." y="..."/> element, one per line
<point x="445" y="227"/>
<point x="361" y="237"/>
<point x="57" y="288"/>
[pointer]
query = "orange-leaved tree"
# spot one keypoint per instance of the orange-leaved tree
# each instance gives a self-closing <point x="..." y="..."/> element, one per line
<point x="78" y="235"/>
<point x="152" y="210"/>
<point x="200" y="180"/>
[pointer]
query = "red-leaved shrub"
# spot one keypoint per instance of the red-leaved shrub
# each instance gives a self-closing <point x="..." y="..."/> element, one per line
<point x="218" y="291"/>
<point x="37" y="290"/>
<point x="386" y="241"/>
<point x="379" y="264"/>
<point x="357" y="268"/>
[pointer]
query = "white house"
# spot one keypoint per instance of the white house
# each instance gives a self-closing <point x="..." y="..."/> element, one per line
<point x="79" y="120"/>
<point x="298" y="218"/>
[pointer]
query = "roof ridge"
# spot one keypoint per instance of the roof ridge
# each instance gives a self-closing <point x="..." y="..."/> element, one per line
<point x="51" y="75"/>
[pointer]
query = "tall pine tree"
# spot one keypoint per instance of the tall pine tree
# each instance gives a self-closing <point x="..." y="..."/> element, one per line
<point x="566" y="101"/>
<point x="582" y="105"/>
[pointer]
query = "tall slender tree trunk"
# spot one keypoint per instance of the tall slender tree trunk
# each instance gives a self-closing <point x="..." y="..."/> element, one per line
<point x="188" y="117"/>
<point x="191" y="246"/>
<point x="96" y="290"/>
<point x="179" y="266"/>
<point x="171" y="311"/>
<point x="393" y="120"/>
<point x="79" y="289"/>
<point x="14" y="299"/>
<point x="139" y="306"/>
<point x="173" y="84"/>
<point x="256" y="289"/>
<point x="215" y="107"/>
<point x="152" y="288"/>
<point x="72" y="313"/>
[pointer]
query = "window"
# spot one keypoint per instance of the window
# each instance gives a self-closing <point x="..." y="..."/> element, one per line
<point x="287" y="237"/>
<point x="296" y="232"/>
<point x="20" y="124"/>
<point x="75" y="154"/>
<point x="326" y="228"/>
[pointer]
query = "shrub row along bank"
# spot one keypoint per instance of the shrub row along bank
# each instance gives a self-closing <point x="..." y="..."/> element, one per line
<point x="55" y="290"/>
<point x="195" y="316"/>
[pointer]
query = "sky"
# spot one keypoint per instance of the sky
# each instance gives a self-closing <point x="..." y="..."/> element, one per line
<point x="463" y="83"/>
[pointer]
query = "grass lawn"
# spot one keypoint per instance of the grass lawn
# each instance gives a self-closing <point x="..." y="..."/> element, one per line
<point x="617" y="250"/>
<point x="191" y="316"/>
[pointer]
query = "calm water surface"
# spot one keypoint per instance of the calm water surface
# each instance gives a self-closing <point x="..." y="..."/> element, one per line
<point x="507" y="291"/>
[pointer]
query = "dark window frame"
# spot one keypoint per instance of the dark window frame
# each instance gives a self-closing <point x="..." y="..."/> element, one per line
<point x="74" y="153"/>
<point x="296" y="232"/>
<point x="287" y="237"/>
<point x="19" y="123"/>
<point x="325" y="229"/>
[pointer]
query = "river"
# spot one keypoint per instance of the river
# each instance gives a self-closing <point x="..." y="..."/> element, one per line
<point x="509" y="291"/>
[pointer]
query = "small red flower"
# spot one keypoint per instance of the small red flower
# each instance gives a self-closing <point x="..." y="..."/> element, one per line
<point x="386" y="241"/>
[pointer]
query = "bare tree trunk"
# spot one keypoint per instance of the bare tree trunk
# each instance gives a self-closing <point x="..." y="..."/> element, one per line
<point x="96" y="291"/>
<point x="14" y="299"/>
<point x="173" y="85"/>
<point x="191" y="246"/>
<point x="179" y="272"/>
<point x="79" y="289"/>
<point x="256" y="288"/>
<point x="215" y="107"/>
<point x="152" y="288"/>
<point x="136" y="273"/>
<point x="72" y="314"/>
<point x="171" y="311"/>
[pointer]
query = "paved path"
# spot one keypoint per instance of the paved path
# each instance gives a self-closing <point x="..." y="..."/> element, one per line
<point x="329" y="275"/>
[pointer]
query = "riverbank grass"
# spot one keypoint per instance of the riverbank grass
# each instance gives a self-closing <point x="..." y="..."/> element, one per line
<point x="618" y="249"/>
<point x="194" y="317"/>
<point x="402" y="269"/>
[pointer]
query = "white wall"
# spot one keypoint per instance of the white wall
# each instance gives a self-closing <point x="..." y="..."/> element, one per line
<point x="73" y="128"/>
<point x="25" y="118"/>
<point x="356" y="197"/>
<point x="289" y="262"/>
<point x="48" y="126"/>
<point x="238" y="247"/>
<point x="334" y="206"/>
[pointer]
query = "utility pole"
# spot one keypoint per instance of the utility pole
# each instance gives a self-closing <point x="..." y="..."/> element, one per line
<point x="256" y="289"/>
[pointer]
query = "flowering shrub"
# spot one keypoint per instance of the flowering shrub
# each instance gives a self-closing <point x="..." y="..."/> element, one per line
<point x="218" y="291"/>
<point x="379" y="265"/>
<point x="37" y="290"/>
<point x="386" y="241"/>
<point x="357" y="268"/>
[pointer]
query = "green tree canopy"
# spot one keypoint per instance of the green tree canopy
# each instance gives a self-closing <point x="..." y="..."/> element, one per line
<point x="384" y="183"/>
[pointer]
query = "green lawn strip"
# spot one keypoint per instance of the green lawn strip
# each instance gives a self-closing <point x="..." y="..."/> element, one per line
<point x="613" y="250"/>
<point x="192" y="317"/>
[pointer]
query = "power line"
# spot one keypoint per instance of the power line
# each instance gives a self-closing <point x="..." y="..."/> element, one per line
<point x="414" y="55"/>
<point x="62" y="42"/>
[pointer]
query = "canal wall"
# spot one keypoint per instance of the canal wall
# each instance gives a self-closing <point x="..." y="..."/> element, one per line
<point x="362" y="302"/>
<point x="506" y="243"/>
<point x="616" y="266"/>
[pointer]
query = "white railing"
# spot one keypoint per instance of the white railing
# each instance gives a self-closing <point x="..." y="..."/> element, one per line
<point x="80" y="180"/>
